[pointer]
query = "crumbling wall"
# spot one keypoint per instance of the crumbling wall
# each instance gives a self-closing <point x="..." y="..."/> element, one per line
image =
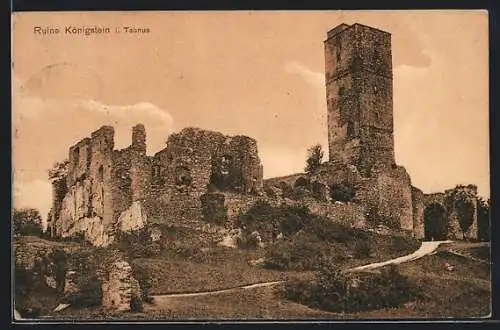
<point x="461" y="207"/>
<point x="120" y="287"/>
<point x="417" y="197"/>
<point x="195" y="159"/>
<point x="387" y="198"/>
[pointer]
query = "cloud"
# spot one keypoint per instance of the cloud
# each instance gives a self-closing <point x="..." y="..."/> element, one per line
<point x="315" y="79"/>
<point x="161" y="118"/>
<point x="45" y="127"/>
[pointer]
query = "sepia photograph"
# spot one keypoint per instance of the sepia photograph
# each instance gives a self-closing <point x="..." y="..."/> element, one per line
<point x="250" y="166"/>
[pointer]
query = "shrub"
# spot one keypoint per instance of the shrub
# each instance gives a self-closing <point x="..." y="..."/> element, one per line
<point x="337" y="291"/>
<point x="483" y="219"/>
<point x="342" y="192"/>
<point x="362" y="248"/>
<point x="314" y="158"/>
<point x="89" y="292"/>
<point x="146" y="282"/>
<point x="213" y="208"/>
<point x="304" y="251"/>
<point x="138" y="244"/>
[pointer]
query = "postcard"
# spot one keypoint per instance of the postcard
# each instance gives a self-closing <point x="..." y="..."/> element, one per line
<point x="250" y="165"/>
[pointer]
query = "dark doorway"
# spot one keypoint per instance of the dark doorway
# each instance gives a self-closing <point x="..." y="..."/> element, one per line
<point x="435" y="223"/>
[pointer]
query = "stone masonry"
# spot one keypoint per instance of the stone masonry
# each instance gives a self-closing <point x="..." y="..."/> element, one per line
<point x="98" y="190"/>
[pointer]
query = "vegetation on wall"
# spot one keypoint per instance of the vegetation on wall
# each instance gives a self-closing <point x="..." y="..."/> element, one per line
<point x="483" y="219"/>
<point x="314" y="158"/>
<point x="342" y="192"/>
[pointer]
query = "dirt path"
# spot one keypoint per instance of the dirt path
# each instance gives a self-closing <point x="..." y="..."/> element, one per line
<point x="425" y="249"/>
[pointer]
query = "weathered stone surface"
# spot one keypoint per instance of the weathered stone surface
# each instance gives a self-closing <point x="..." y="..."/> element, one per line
<point x="100" y="182"/>
<point x="231" y="238"/>
<point x="359" y="97"/>
<point x="133" y="218"/>
<point x="418" y="205"/>
<point x="118" y="290"/>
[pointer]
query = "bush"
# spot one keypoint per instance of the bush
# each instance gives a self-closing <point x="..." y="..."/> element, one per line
<point x="32" y="295"/>
<point x="342" y="192"/>
<point x="268" y="221"/>
<point x="141" y="274"/>
<point x="314" y="158"/>
<point x="362" y="249"/>
<point x="307" y="237"/>
<point x="337" y="291"/>
<point x="89" y="292"/>
<point x="213" y="208"/>
<point x="138" y="244"/>
<point x="304" y="251"/>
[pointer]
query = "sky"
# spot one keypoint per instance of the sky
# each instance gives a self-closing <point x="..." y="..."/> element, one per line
<point x="259" y="74"/>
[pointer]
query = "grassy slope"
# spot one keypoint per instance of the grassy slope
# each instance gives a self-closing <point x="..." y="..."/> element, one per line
<point x="463" y="292"/>
<point x="220" y="268"/>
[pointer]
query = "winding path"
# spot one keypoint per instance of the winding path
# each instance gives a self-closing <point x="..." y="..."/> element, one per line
<point x="425" y="249"/>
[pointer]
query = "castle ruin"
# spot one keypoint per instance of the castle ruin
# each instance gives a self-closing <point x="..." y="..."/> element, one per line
<point x="99" y="190"/>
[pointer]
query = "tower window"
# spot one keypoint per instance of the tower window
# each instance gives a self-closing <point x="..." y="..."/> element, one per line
<point x="350" y="128"/>
<point x="100" y="173"/>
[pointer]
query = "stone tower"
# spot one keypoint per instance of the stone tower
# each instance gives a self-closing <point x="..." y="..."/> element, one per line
<point x="358" y="70"/>
<point x="139" y="139"/>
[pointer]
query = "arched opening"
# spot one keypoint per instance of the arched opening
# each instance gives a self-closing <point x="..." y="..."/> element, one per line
<point x="100" y="173"/>
<point x="225" y="175"/>
<point x="435" y="222"/>
<point x="183" y="176"/>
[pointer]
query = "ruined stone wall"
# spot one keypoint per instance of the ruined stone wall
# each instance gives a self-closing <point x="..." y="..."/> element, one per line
<point x="387" y="198"/>
<point x="418" y="205"/>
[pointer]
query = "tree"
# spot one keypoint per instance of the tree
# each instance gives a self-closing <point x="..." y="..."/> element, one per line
<point x="27" y="221"/>
<point x="314" y="158"/>
<point x="483" y="219"/>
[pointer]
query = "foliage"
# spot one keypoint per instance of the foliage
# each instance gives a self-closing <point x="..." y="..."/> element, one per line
<point x="362" y="248"/>
<point x="27" y="221"/>
<point x="342" y="192"/>
<point x="460" y="199"/>
<point x="306" y="238"/>
<point x="59" y="170"/>
<point x="32" y="295"/>
<point x="337" y="291"/>
<point x="483" y="219"/>
<point x="314" y="158"/>
<point x="213" y="208"/>
<point x="146" y="282"/>
<point x="138" y="244"/>
<point x="89" y="292"/>
<point x="303" y="251"/>
<point x="269" y="221"/>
